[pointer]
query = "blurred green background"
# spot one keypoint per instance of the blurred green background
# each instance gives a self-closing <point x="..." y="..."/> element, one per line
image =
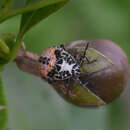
<point x="33" y="104"/>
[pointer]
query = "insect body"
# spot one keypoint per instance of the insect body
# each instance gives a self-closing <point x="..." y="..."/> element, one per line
<point x="57" y="64"/>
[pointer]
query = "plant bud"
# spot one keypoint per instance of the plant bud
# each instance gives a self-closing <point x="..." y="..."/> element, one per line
<point x="105" y="78"/>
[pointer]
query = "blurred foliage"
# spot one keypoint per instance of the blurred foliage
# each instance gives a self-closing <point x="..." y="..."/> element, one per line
<point x="117" y="116"/>
<point x="35" y="105"/>
<point x="32" y="12"/>
<point x="3" y="107"/>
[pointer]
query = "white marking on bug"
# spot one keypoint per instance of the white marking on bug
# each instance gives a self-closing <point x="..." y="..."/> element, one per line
<point x="66" y="67"/>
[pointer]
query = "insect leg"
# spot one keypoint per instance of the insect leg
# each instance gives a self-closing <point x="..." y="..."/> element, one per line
<point x="76" y="78"/>
<point x="67" y="81"/>
<point x="84" y="55"/>
<point x="50" y="81"/>
<point x="75" y="54"/>
<point x="67" y="85"/>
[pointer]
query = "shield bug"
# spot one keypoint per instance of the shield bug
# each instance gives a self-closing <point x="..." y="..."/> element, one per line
<point x="56" y="63"/>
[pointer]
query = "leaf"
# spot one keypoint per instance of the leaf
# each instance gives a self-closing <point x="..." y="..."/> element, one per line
<point x="5" y="6"/>
<point x="7" y="41"/>
<point x="31" y="18"/>
<point x="41" y="10"/>
<point x="16" y="7"/>
<point x="3" y="107"/>
<point x="4" y="50"/>
<point x="2" y="4"/>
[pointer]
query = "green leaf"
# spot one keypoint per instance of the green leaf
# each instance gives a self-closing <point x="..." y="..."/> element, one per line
<point x="32" y="16"/>
<point x="5" y="6"/>
<point x="3" y="107"/>
<point x="16" y="7"/>
<point x="7" y="41"/>
<point x="4" y="50"/>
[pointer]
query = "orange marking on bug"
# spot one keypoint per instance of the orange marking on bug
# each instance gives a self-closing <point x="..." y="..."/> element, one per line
<point x="43" y="72"/>
<point x="45" y="69"/>
<point x="51" y="67"/>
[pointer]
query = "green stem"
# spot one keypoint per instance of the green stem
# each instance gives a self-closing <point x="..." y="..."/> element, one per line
<point x="15" y="48"/>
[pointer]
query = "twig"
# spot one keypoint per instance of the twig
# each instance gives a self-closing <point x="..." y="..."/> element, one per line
<point x="27" y="62"/>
